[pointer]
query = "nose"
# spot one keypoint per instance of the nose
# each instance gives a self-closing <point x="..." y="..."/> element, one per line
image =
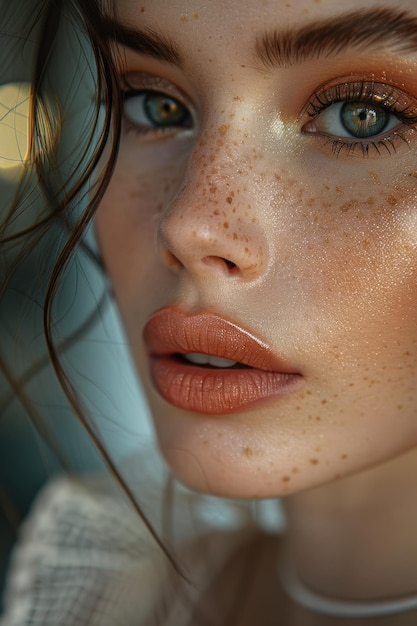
<point x="212" y="226"/>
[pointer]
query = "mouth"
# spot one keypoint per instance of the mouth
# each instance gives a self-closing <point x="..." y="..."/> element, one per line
<point x="207" y="364"/>
<point x="208" y="360"/>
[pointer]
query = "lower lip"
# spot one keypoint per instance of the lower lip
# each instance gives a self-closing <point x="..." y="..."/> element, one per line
<point x="217" y="391"/>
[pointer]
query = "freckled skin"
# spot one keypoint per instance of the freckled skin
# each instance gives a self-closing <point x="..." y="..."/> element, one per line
<point x="323" y="249"/>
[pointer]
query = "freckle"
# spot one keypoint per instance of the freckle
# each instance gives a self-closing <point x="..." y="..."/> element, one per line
<point x="226" y="225"/>
<point x="213" y="189"/>
<point x="348" y="205"/>
<point x="184" y="19"/>
<point x="220" y="142"/>
<point x="234" y="210"/>
<point x="229" y="199"/>
<point x="235" y="236"/>
<point x="247" y="452"/>
<point x="392" y="200"/>
<point x="196" y="16"/>
<point x="400" y="407"/>
<point x="295" y="470"/>
<point x="142" y="9"/>
<point x="318" y="418"/>
<point x="286" y="479"/>
<point x="216" y="212"/>
<point x="343" y="456"/>
<point x="314" y="461"/>
<point x="223" y="129"/>
<point x="324" y="401"/>
<point x="318" y="449"/>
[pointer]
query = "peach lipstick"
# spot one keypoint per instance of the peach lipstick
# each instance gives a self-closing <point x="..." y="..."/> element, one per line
<point x="207" y="364"/>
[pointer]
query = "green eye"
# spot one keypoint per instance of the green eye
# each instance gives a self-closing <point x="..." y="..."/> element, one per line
<point x="364" y="120"/>
<point x="153" y="109"/>
<point x="164" y="111"/>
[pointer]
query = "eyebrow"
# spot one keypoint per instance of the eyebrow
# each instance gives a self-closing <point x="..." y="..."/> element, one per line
<point x="362" y="29"/>
<point x="146" y="41"/>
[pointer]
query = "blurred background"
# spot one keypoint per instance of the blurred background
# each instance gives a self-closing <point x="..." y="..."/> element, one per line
<point x="95" y="355"/>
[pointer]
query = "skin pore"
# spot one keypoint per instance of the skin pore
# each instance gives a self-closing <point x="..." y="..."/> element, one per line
<point x="256" y="205"/>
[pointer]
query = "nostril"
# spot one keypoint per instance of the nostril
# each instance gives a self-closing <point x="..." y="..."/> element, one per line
<point x="225" y="265"/>
<point x="230" y="264"/>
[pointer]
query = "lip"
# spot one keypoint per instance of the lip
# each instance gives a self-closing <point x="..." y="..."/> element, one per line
<point x="260" y="373"/>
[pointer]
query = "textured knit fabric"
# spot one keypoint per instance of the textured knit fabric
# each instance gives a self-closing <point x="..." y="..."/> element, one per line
<point x="86" y="558"/>
<point x="82" y="559"/>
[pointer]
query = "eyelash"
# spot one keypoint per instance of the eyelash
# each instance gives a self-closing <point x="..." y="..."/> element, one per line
<point x="395" y="101"/>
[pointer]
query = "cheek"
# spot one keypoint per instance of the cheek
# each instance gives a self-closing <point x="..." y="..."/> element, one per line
<point x="353" y="249"/>
<point x="344" y="282"/>
<point x="127" y="222"/>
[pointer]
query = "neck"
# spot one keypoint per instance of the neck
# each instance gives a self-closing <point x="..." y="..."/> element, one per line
<point x="356" y="539"/>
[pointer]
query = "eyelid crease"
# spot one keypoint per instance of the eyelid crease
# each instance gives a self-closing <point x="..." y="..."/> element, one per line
<point x="378" y="93"/>
<point x="143" y="81"/>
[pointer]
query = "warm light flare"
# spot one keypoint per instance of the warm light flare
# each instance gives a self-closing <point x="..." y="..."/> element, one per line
<point x="14" y="124"/>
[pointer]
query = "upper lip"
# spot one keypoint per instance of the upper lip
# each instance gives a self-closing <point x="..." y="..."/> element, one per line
<point x="171" y="331"/>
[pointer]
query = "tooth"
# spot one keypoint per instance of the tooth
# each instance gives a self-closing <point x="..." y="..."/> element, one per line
<point x="204" y="359"/>
<point x="197" y="358"/>
<point x="216" y="361"/>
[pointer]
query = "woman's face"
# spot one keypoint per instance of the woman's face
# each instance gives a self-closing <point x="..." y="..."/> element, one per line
<point x="264" y="205"/>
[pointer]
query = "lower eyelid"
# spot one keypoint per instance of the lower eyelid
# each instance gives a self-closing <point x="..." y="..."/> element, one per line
<point x="374" y="147"/>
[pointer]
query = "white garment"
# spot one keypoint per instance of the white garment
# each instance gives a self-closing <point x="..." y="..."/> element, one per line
<point x="80" y="557"/>
<point x="86" y="558"/>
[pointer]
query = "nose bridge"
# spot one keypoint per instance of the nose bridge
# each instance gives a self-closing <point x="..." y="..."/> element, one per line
<point x="212" y="223"/>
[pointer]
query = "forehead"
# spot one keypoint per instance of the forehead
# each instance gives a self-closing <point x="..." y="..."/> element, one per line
<point x="231" y="30"/>
<point x="243" y="15"/>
